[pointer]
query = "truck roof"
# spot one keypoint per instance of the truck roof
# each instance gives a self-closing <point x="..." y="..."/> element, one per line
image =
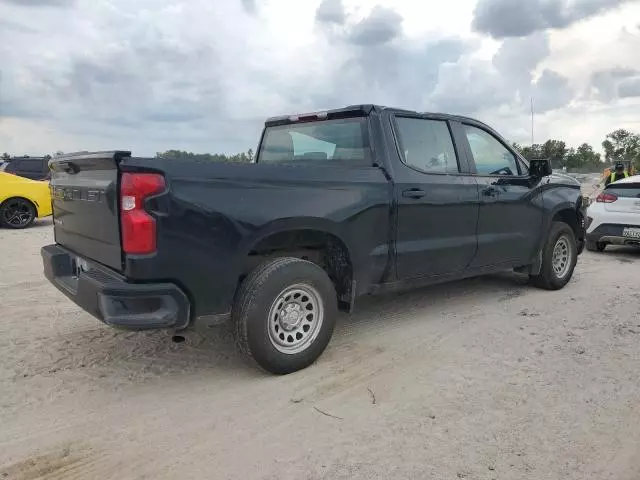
<point x="361" y="110"/>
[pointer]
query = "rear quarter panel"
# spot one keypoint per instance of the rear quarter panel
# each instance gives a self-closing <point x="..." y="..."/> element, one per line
<point x="44" y="199"/>
<point x="214" y="214"/>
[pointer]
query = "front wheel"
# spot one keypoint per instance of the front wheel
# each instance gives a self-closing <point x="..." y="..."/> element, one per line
<point x="17" y="213"/>
<point x="284" y="314"/>
<point x="559" y="258"/>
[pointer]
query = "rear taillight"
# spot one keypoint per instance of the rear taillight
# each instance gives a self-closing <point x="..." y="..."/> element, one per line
<point x="605" y="197"/>
<point x="138" y="227"/>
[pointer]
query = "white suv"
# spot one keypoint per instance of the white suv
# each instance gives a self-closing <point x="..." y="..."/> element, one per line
<point x="614" y="218"/>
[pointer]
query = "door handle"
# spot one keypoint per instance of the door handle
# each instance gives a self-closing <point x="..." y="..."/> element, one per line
<point x="490" y="192"/>
<point x="414" y="193"/>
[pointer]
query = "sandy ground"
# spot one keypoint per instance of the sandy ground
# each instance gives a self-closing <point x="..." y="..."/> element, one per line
<point x="482" y="379"/>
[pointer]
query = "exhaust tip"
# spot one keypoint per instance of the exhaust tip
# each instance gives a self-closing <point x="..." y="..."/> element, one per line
<point x="177" y="339"/>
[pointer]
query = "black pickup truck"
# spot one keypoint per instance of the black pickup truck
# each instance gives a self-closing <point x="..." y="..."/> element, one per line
<point x="338" y="204"/>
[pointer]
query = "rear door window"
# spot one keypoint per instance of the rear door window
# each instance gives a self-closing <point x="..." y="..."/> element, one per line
<point x="426" y="145"/>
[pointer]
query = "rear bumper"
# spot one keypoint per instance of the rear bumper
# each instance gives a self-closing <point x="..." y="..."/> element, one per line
<point x="109" y="297"/>
<point x="612" y="234"/>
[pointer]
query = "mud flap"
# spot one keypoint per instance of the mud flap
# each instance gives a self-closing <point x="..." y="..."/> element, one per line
<point x="534" y="268"/>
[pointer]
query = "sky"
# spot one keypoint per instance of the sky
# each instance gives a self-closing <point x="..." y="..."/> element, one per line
<point x="203" y="75"/>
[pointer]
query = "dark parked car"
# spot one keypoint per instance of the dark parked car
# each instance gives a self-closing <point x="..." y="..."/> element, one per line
<point x="350" y="202"/>
<point x="35" y="168"/>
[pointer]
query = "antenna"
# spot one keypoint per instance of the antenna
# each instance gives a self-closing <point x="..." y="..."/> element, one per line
<point x="531" y="121"/>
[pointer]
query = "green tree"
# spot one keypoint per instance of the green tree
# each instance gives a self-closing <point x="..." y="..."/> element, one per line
<point x="529" y="151"/>
<point x="244" y="157"/>
<point x="184" y="155"/>
<point x="622" y="146"/>
<point x="584" y="158"/>
<point x="6" y="156"/>
<point x="556" y="152"/>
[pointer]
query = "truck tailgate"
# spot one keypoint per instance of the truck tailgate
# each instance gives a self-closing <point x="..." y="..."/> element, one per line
<point x="84" y="192"/>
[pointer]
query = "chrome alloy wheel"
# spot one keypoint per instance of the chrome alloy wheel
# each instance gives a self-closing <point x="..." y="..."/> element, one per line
<point x="295" y="319"/>
<point x="561" y="260"/>
<point x="17" y="213"/>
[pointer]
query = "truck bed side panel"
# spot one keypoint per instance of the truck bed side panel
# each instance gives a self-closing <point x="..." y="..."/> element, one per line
<point x="214" y="214"/>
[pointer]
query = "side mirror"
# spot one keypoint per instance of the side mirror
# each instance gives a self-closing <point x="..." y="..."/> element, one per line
<point x="540" y="168"/>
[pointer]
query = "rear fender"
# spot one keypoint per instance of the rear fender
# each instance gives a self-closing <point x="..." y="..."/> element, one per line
<point x="291" y="224"/>
<point x="337" y="261"/>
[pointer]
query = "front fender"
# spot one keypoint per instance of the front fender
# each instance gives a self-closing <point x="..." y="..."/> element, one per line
<point x="559" y="200"/>
<point x="560" y="197"/>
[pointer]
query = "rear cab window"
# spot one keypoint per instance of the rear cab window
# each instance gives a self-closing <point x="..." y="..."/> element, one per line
<point x="624" y="190"/>
<point x="340" y="142"/>
<point x="490" y="155"/>
<point x="426" y="145"/>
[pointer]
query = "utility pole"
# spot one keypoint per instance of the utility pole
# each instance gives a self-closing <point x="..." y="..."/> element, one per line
<point x="532" y="121"/>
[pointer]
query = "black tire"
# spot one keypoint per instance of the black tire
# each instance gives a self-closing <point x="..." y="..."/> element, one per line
<point x="259" y="327"/>
<point x="595" y="246"/>
<point x="549" y="278"/>
<point x="17" y="213"/>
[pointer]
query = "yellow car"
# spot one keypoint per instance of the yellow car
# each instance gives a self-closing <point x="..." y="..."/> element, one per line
<point x="22" y="200"/>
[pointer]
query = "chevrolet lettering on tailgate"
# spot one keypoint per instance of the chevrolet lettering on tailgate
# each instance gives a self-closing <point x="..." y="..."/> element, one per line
<point x="81" y="194"/>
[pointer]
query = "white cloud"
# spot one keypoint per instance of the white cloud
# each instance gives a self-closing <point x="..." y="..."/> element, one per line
<point x="509" y="18"/>
<point x="152" y="75"/>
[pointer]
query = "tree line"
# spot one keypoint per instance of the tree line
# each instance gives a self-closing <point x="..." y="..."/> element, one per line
<point x="619" y="146"/>
<point x="243" y="157"/>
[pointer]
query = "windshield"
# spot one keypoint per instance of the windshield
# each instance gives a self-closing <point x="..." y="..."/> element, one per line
<point x="329" y="142"/>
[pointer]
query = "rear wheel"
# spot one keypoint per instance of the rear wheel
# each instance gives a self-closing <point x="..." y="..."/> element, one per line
<point x="559" y="258"/>
<point x="596" y="246"/>
<point x="284" y="314"/>
<point x="17" y="213"/>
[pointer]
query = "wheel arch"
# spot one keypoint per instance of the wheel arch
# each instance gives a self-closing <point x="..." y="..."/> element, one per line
<point x="565" y="212"/>
<point x="548" y="277"/>
<point x="26" y="199"/>
<point x="315" y="240"/>
<point x="572" y="217"/>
